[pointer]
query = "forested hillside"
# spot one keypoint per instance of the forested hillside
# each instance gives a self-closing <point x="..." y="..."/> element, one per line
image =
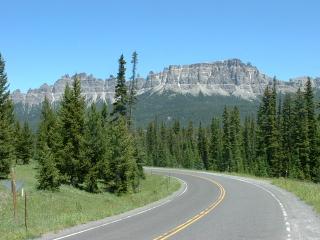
<point x="281" y="140"/>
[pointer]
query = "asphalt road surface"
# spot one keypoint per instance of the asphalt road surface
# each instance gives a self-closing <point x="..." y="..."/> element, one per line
<point x="208" y="207"/>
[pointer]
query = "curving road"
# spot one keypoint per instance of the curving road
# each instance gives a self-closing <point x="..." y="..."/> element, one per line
<point x="209" y="206"/>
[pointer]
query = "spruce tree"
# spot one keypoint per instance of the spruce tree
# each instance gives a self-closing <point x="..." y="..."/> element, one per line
<point x="268" y="142"/>
<point x="272" y="140"/>
<point x="287" y="134"/>
<point x="120" y="104"/>
<point x="48" y="132"/>
<point x="203" y="147"/>
<point x="6" y="124"/>
<point x="300" y="165"/>
<point x="48" y="175"/>
<point x="25" y="144"/>
<point x="192" y="158"/>
<point x="139" y="153"/>
<point x="96" y="153"/>
<point x="121" y="171"/>
<point x="104" y="114"/>
<point x="163" y="150"/>
<point x="312" y="131"/>
<point x="225" y="164"/>
<point x="214" y="145"/>
<point x="72" y="162"/>
<point x="133" y="86"/>
<point x="236" y="164"/>
<point x="46" y="147"/>
<point x="176" y="144"/>
<point x="17" y="142"/>
<point x="249" y="137"/>
<point x="151" y="144"/>
<point x="261" y="167"/>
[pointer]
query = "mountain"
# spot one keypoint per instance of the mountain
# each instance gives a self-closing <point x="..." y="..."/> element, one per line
<point x="205" y="86"/>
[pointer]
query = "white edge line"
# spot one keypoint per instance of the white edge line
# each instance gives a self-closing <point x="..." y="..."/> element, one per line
<point x="284" y="212"/>
<point x="130" y="216"/>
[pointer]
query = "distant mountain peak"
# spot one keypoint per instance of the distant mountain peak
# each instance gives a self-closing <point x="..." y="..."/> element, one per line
<point x="230" y="77"/>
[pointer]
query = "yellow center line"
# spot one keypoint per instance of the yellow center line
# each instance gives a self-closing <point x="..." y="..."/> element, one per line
<point x="199" y="215"/>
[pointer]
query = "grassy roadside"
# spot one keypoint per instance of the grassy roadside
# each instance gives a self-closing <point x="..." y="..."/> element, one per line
<point x="53" y="211"/>
<point x="306" y="191"/>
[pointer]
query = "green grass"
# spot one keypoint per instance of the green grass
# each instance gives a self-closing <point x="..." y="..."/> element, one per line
<point x="306" y="191"/>
<point x="54" y="211"/>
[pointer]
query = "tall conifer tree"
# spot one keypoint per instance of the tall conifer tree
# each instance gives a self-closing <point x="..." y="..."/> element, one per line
<point x="300" y="165"/>
<point x="226" y="143"/>
<point x="95" y="148"/>
<point x="24" y="148"/>
<point x="203" y="146"/>
<point x="120" y="105"/>
<point x="214" y="145"/>
<point x="121" y="173"/>
<point x="236" y="141"/>
<point x="73" y="164"/>
<point x="46" y="148"/>
<point x="312" y="126"/>
<point x="133" y="86"/>
<point x="6" y="124"/>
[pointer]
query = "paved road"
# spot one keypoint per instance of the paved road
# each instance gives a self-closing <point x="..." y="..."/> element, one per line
<point x="211" y="207"/>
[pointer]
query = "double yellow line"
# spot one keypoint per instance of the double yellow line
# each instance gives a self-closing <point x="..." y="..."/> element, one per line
<point x="199" y="215"/>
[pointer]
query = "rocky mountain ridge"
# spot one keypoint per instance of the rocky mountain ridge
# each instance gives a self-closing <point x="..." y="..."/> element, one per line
<point x="224" y="78"/>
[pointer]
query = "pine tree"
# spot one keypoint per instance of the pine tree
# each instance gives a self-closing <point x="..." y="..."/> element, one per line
<point x="191" y="155"/>
<point x="48" y="134"/>
<point x="214" y="146"/>
<point x="260" y="168"/>
<point x="312" y="131"/>
<point x="139" y="152"/>
<point x="163" y="150"/>
<point x="48" y="176"/>
<point x="203" y="147"/>
<point x="24" y="149"/>
<point x="176" y="144"/>
<point x="286" y="133"/>
<point x="121" y="171"/>
<point x="95" y="147"/>
<point x="133" y="86"/>
<point x="279" y="155"/>
<point x="17" y="142"/>
<point x="267" y="134"/>
<point x="225" y="164"/>
<point x="105" y="114"/>
<point x="236" y="141"/>
<point x="151" y="144"/>
<point x="6" y="124"/>
<point x="249" y="137"/>
<point x="273" y="146"/>
<point x="120" y="104"/>
<point x="72" y="164"/>
<point x="300" y="165"/>
<point x="46" y="147"/>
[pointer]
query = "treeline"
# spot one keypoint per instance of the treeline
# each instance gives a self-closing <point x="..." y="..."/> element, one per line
<point x="16" y="141"/>
<point x="88" y="148"/>
<point x="84" y="147"/>
<point x="282" y="141"/>
<point x="98" y="149"/>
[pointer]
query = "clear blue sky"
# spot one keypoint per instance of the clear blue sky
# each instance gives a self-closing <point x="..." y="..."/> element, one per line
<point x="42" y="40"/>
